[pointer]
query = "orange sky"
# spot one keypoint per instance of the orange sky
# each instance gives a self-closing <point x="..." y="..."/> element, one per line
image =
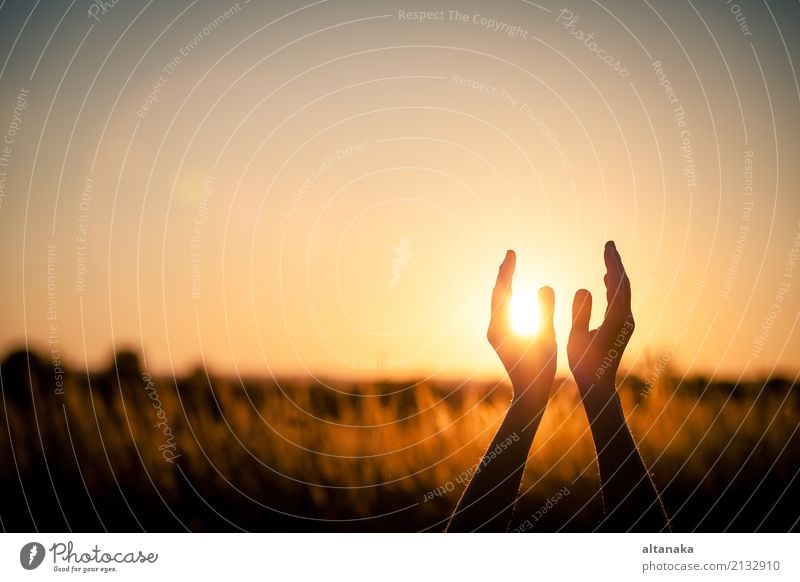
<point x="330" y="189"/>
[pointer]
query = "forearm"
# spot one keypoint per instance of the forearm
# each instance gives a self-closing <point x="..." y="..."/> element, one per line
<point x="488" y="502"/>
<point x="630" y="497"/>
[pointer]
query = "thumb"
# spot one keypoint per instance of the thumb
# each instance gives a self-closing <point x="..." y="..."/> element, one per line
<point x="581" y="311"/>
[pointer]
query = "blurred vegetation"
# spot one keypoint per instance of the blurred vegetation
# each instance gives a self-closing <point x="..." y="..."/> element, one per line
<point x="302" y="455"/>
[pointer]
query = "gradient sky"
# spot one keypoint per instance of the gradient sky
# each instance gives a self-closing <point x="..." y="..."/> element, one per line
<point x="329" y="187"/>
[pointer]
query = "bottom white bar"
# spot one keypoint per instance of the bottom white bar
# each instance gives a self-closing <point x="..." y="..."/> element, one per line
<point x="416" y="557"/>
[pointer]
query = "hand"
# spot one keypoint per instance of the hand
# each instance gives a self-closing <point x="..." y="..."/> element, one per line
<point x="488" y="501"/>
<point x="594" y="355"/>
<point x="529" y="360"/>
<point x="630" y="498"/>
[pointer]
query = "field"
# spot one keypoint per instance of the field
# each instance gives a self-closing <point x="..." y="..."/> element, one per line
<point x="121" y="451"/>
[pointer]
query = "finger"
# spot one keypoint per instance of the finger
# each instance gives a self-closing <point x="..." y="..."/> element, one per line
<point x="618" y="286"/>
<point x="547" y="304"/>
<point x="581" y="311"/>
<point x="501" y="294"/>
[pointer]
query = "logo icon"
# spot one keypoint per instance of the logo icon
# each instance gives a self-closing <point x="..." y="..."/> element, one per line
<point x="31" y="555"/>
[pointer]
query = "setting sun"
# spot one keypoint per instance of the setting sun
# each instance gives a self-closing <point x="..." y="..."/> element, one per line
<point x="525" y="314"/>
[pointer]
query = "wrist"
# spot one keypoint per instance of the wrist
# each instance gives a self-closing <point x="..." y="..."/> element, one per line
<point x="600" y="399"/>
<point x="531" y="394"/>
<point x="524" y="414"/>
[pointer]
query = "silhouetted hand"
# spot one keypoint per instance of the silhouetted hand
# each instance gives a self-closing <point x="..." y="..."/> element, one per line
<point x="529" y="360"/>
<point x="594" y="355"/>
<point x="488" y="502"/>
<point x="631" y="501"/>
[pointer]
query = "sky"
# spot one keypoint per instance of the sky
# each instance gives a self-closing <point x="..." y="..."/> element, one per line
<point x="328" y="188"/>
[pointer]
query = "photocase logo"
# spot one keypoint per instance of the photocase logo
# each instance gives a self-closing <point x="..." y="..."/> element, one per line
<point x="31" y="555"/>
<point x="402" y="256"/>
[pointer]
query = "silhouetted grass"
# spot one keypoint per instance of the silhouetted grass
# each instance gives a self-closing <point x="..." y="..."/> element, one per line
<point x="259" y="454"/>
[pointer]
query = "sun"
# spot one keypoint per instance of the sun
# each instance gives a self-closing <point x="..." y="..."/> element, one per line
<point x="525" y="315"/>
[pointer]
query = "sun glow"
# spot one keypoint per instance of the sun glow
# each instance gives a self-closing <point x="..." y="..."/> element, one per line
<point x="525" y="314"/>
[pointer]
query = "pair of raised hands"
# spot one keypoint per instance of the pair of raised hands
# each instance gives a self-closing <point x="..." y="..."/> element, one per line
<point x="593" y="354"/>
<point x="630" y="498"/>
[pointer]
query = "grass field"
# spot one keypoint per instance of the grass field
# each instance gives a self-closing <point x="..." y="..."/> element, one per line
<point x="122" y="451"/>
